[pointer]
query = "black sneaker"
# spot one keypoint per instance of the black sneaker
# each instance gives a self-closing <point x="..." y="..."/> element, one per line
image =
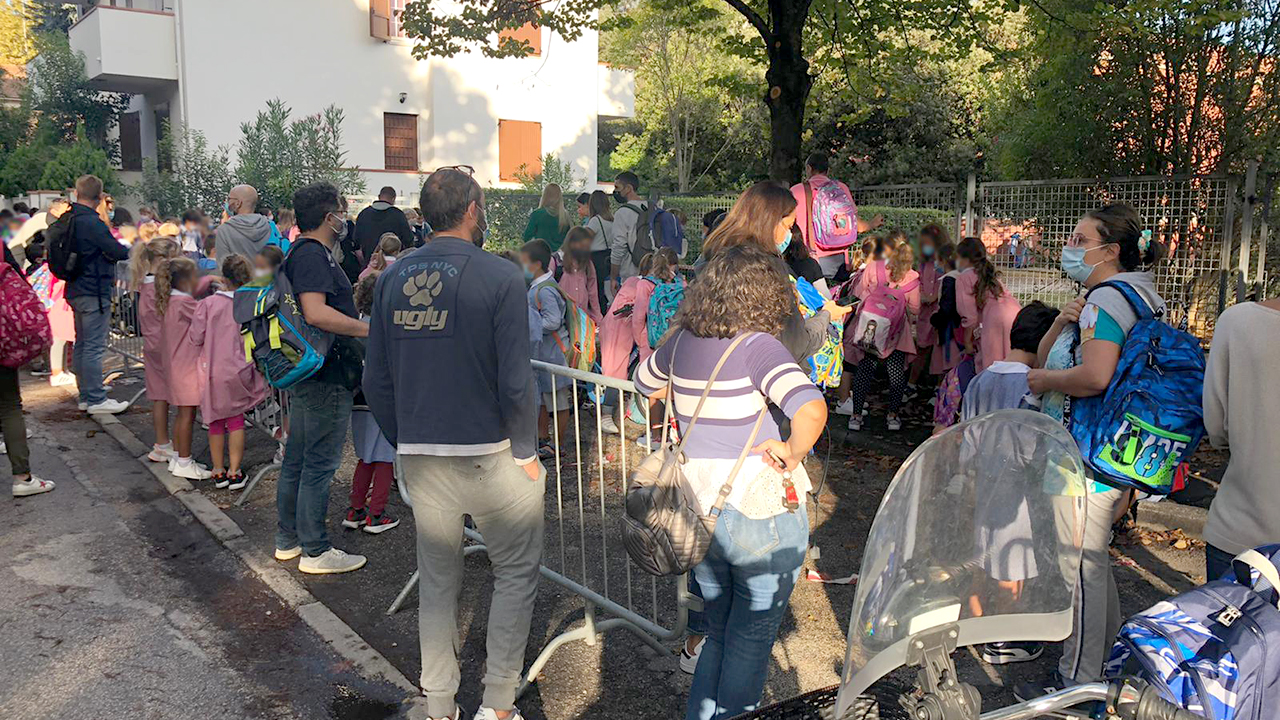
<point x="354" y="518"/>
<point x="1025" y="692"/>
<point x="380" y="524"/>
<point x="1006" y="653"/>
<point x="219" y="479"/>
<point x="237" y="481"/>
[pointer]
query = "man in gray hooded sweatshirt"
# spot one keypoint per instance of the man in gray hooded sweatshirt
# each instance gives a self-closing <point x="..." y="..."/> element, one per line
<point x="244" y="232"/>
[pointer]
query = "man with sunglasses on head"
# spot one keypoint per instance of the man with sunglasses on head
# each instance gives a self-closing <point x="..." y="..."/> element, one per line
<point x="448" y="379"/>
<point x="320" y="406"/>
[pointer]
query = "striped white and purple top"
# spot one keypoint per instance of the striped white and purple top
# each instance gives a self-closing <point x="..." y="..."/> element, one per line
<point x="759" y="368"/>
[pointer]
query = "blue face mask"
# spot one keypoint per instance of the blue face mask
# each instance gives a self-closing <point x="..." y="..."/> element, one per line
<point x="528" y="275"/>
<point x="926" y="251"/>
<point x="782" y="246"/>
<point x="1073" y="263"/>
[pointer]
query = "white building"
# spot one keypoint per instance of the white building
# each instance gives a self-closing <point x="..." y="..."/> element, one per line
<point x="213" y="64"/>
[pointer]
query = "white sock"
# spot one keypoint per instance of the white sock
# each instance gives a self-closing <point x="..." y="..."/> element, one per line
<point x="184" y="461"/>
<point x="167" y="447"/>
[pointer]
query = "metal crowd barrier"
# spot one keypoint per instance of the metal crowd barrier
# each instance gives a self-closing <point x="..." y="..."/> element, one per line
<point x="124" y="337"/>
<point x="583" y="552"/>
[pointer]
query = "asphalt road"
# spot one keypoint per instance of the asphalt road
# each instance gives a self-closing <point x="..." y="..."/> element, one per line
<point x="115" y="603"/>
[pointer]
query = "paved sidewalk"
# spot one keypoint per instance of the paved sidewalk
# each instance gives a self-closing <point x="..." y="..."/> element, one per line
<point x="117" y="604"/>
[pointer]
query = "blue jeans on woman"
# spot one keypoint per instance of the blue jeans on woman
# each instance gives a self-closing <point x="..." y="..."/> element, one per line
<point x="746" y="581"/>
<point x="319" y="415"/>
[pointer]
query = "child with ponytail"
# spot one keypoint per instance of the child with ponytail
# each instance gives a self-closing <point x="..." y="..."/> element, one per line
<point x="229" y="385"/>
<point x="175" y="303"/>
<point x="145" y="258"/>
<point x="986" y="308"/>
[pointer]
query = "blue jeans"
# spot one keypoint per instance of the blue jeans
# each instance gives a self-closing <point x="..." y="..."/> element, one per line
<point x="1217" y="562"/>
<point x="319" y="414"/>
<point x="746" y="581"/>
<point x="93" y="322"/>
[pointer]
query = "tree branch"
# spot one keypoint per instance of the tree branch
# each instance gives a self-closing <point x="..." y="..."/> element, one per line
<point x="754" y="18"/>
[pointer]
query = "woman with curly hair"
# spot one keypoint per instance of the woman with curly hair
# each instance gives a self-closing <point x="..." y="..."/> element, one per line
<point x="726" y="328"/>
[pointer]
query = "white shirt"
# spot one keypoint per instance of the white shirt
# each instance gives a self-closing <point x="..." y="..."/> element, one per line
<point x="604" y="232"/>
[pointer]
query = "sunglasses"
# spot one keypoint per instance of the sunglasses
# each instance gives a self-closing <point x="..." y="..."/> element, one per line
<point x="470" y="171"/>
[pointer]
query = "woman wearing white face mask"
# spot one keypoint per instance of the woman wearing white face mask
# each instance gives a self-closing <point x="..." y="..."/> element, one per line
<point x="1078" y="357"/>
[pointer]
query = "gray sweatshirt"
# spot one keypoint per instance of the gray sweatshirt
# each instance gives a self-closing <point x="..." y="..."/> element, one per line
<point x="1241" y="413"/>
<point x="242" y="235"/>
<point x="1112" y="300"/>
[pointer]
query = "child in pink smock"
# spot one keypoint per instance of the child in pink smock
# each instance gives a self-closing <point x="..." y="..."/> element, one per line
<point x="986" y="307"/>
<point x="145" y="258"/>
<point x="578" y="282"/>
<point x="229" y="385"/>
<point x="932" y="237"/>
<point x="626" y="326"/>
<point x="175" y="303"/>
<point x="896" y="272"/>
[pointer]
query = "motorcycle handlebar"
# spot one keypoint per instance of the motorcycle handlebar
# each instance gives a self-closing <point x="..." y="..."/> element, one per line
<point x="1130" y="699"/>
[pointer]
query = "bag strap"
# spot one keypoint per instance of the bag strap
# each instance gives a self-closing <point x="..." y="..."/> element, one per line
<point x="742" y="457"/>
<point x="706" y="392"/>
<point x="1257" y="561"/>
<point x="808" y="202"/>
<point x="1131" y="296"/>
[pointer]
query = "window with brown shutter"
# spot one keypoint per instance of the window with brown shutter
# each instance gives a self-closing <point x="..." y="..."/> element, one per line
<point x="400" y="141"/>
<point x="130" y="141"/>
<point x="530" y="33"/>
<point x="519" y="148"/>
<point x="380" y="19"/>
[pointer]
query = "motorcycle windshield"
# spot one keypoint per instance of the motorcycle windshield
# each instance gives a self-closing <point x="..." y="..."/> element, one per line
<point x="980" y="527"/>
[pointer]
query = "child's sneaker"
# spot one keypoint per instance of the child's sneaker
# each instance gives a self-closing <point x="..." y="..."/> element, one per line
<point x="236" y="481"/>
<point x="380" y="524"/>
<point x="894" y="423"/>
<point x="279" y="456"/>
<point x="219" y="478"/>
<point x="162" y="453"/>
<point x="546" y="451"/>
<point x="846" y="407"/>
<point x="31" y="486"/>
<point x="855" y="423"/>
<point x="485" y="713"/>
<point x="190" y="470"/>
<point x="354" y="518"/>
<point x="608" y="426"/>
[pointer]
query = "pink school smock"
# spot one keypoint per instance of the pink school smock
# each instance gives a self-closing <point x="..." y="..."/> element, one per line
<point x="930" y="285"/>
<point x="580" y="287"/>
<point x="229" y="386"/>
<point x="992" y="323"/>
<point x="155" y="360"/>
<point x="618" y="333"/>
<point x="866" y="283"/>
<point x="182" y="359"/>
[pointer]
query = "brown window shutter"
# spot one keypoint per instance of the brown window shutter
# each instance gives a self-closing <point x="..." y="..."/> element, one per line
<point x="530" y="33"/>
<point x="519" y="146"/>
<point x="130" y="142"/>
<point x="380" y="19"/>
<point x="400" y="141"/>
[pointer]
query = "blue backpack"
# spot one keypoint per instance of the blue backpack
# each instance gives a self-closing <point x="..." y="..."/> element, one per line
<point x="277" y="339"/>
<point x="1150" y="419"/>
<point x="1207" y="650"/>
<point x="663" y="304"/>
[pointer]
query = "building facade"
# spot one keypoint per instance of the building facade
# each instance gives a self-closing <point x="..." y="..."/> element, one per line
<point x="211" y="65"/>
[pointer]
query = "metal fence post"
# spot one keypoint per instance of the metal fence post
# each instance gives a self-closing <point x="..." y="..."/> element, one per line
<point x="1228" y="228"/>
<point x="1263" y="228"/>
<point x="1246" y="226"/>
<point x="971" y="197"/>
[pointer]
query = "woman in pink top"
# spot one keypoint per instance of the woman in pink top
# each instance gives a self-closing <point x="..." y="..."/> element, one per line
<point x="986" y="308"/>
<point x="578" y="283"/>
<point x="229" y="385"/>
<point x="626" y="325"/>
<point x="175" y="284"/>
<point x="145" y="258"/>
<point x="895" y="272"/>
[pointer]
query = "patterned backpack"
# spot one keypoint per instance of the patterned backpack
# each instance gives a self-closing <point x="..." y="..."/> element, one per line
<point x="882" y="316"/>
<point x="24" y="325"/>
<point x="277" y="338"/>
<point x="1150" y="419"/>
<point x="1208" y="650"/>
<point x="833" y="216"/>
<point x="825" y="365"/>
<point x="663" y="304"/>
<point x="580" y="353"/>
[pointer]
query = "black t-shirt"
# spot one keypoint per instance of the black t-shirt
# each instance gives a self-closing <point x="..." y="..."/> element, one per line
<point x="806" y="268"/>
<point x="311" y="268"/>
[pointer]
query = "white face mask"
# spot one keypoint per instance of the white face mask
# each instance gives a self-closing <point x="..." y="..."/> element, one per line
<point x="261" y="272"/>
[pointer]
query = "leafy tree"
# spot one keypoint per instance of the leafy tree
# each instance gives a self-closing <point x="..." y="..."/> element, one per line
<point x="18" y="19"/>
<point x="24" y="166"/>
<point x="79" y="157"/>
<point x="278" y="155"/>
<point x="59" y="96"/>
<point x="553" y="170"/>
<point x="198" y="176"/>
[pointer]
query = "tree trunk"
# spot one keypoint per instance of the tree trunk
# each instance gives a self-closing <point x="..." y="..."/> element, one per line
<point x="789" y="84"/>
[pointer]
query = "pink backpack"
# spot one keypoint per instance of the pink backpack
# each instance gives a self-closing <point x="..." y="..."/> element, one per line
<point x="833" y="217"/>
<point x="24" y="324"/>
<point x="882" y="316"/>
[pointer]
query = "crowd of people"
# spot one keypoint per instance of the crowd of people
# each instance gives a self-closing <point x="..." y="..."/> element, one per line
<point x="794" y="306"/>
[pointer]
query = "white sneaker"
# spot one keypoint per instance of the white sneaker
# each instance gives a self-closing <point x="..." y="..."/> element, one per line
<point x="83" y="406"/>
<point x="855" y="423"/>
<point x="62" y="379"/>
<point x="162" y="453"/>
<point x="288" y="554"/>
<point x="894" y="423"/>
<point x="331" y="562"/>
<point x="190" y="470"/>
<point x="31" y="486"/>
<point x="108" y="407"/>
<point x="457" y="715"/>
<point x="648" y="446"/>
<point x="485" y="713"/>
<point x="846" y="407"/>
<point x="608" y="426"/>
<point x="689" y="660"/>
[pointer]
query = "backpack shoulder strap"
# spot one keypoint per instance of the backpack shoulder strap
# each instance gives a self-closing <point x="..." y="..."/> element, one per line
<point x="1136" y="302"/>
<point x="908" y="287"/>
<point x="808" y="202"/>
<point x="1257" y="561"/>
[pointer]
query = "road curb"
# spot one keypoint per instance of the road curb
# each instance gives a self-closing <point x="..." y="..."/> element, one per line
<point x="332" y="629"/>
<point x="1170" y="515"/>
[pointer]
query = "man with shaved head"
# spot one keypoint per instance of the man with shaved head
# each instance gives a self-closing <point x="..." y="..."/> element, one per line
<point x="244" y="232"/>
